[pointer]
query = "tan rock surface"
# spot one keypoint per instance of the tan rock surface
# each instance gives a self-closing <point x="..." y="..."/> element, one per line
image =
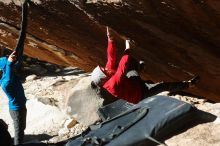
<point x="47" y="121"/>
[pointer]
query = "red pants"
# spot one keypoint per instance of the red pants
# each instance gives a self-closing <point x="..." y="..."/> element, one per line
<point x="110" y="67"/>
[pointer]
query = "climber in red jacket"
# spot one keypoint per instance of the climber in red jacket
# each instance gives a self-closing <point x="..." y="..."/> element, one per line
<point x="109" y="80"/>
<point x="125" y="82"/>
<point x="121" y="85"/>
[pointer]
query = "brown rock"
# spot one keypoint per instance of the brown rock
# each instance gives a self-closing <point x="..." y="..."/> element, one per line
<point x="177" y="39"/>
<point x="72" y="123"/>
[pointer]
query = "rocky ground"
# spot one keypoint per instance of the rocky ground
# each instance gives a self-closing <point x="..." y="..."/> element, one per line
<point x="202" y="132"/>
<point x="47" y="87"/>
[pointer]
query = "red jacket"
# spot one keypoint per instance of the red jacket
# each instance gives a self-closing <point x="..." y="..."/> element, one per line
<point x="120" y="86"/>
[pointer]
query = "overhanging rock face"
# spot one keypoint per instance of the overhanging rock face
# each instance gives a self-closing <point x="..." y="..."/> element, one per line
<point x="177" y="39"/>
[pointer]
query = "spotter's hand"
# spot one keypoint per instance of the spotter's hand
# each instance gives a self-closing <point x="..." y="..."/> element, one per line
<point x="12" y="57"/>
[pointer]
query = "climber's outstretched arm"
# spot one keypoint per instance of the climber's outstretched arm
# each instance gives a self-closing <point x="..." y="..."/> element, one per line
<point x="20" y="44"/>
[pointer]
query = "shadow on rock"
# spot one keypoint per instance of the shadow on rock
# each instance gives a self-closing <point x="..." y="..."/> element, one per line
<point x="43" y="144"/>
<point x="197" y="118"/>
<point x="36" y="138"/>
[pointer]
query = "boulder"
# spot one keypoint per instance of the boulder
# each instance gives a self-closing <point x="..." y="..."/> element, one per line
<point x="82" y="103"/>
<point x="176" y="39"/>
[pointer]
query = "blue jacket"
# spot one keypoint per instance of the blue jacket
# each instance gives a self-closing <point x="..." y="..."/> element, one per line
<point x="12" y="85"/>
